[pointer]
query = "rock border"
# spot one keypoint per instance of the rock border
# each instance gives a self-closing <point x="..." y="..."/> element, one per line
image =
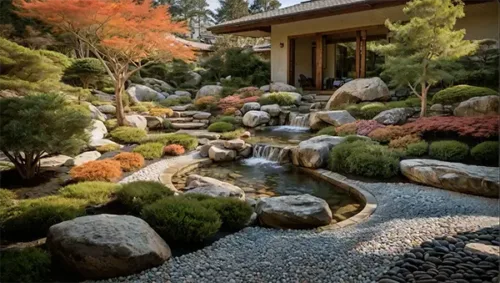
<point x="171" y="171"/>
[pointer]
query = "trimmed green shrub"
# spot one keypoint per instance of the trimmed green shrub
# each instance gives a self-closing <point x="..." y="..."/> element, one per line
<point x="31" y="219"/>
<point x="330" y="131"/>
<point x="370" y="110"/>
<point x="93" y="192"/>
<point x="176" y="101"/>
<point x="486" y="153"/>
<point x="7" y="198"/>
<point x="139" y="108"/>
<point x="449" y="150"/>
<point x="364" y="158"/>
<point x="459" y="93"/>
<point x="86" y="70"/>
<point x="234" y="213"/>
<point x="187" y="141"/>
<point x="135" y="195"/>
<point x="182" y="220"/>
<point x="227" y="119"/>
<point x="107" y="147"/>
<point x="280" y="98"/>
<point x="111" y="124"/>
<point x="128" y="134"/>
<point x="26" y="265"/>
<point x="220" y="127"/>
<point x="150" y="150"/>
<point x="417" y="149"/>
<point x="232" y="134"/>
<point x="353" y="138"/>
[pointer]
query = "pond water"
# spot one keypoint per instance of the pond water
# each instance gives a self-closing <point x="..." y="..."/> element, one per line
<point x="280" y="135"/>
<point x="259" y="177"/>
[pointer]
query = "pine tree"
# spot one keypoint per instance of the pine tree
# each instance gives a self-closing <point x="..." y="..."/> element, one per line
<point x="260" y="6"/>
<point x="231" y="10"/>
<point x="420" y="48"/>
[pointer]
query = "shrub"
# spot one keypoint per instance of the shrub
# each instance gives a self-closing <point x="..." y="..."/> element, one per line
<point x="347" y="129"/>
<point x="107" y="147"/>
<point x="417" y="149"/>
<point x="230" y="111"/>
<point x="181" y="220"/>
<point x="459" y="93"/>
<point x="7" y="198"/>
<point x="385" y="135"/>
<point x="161" y="112"/>
<point x="128" y="134"/>
<point x="449" y="150"/>
<point x="486" y="153"/>
<point x="227" y="91"/>
<point x="367" y="126"/>
<point x="86" y="70"/>
<point x="174" y="150"/>
<point x="150" y="150"/>
<point x="129" y="161"/>
<point x="404" y="141"/>
<point x="477" y="127"/>
<point x="25" y="265"/>
<point x="371" y="110"/>
<point x="206" y="103"/>
<point x="97" y="170"/>
<point x="232" y="135"/>
<point x="280" y="98"/>
<point x="364" y="158"/>
<point x="235" y="101"/>
<point x="187" y="141"/>
<point x="330" y="131"/>
<point x="92" y="192"/>
<point x="249" y="92"/>
<point x="220" y="127"/>
<point x="111" y="124"/>
<point x="353" y="138"/>
<point x="175" y="101"/>
<point x="31" y="219"/>
<point x="227" y="119"/>
<point x="167" y="125"/>
<point x="139" y="108"/>
<point x="135" y="195"/>
<point x="234" y="213"/>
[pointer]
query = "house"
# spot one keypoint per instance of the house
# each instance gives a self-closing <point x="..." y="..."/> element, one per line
<point x="316" y="43"/>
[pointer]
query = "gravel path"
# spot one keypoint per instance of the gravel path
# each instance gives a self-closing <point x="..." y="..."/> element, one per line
<point x="406" y="216"/>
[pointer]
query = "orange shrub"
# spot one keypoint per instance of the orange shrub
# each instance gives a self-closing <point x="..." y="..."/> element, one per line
<point x="98" y="170"/>
<point x="129" y="161"/>
<point x="249" y="91"/>
<point x="347" y="129"/>
<point x="230" y="111"/>
<point x="404" y="141"/>
<point x="161" y="112"/>
<point x="387" y="134"/>
<point x="174" y="149"/>
<point x="206" y="103"/>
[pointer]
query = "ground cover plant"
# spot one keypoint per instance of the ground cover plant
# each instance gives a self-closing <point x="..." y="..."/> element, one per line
<point x="98" y="170"/>
<point x="481" y="127"/>
<point x="128" y="134"/>
<point x="135" y="195"/>
<point x="150" y="150"/>
<point x="129" y="161"/>
<point x="174" y="150"/>
<point x="220" y="127"/>
<point x="94" y="192"/>
<point x="187" y="141"/>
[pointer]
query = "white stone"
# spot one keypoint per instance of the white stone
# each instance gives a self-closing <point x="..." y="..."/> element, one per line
<point x="255" y="118"/>
<point x="97" y="130"/>
<point x="137" y="121"/>
<point x="273" y="109"/>
<point x="218" y="154"/>
<point x="482" y="249"/>
<point x="83" y="158"/>
<point x="54" y="161"/>
<point x="236" y="144"/>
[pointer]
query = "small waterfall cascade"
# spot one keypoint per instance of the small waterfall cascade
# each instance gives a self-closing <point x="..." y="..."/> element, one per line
<point x="271" y="152"/>
<point x="299" y="120"/>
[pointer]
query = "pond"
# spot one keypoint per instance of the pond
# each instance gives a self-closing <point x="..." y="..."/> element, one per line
<point x="280" y="135"/>
<point x="259" y="177"/>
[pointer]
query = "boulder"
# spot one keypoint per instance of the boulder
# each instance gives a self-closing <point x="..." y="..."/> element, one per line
<point x="97" y="130"/>
<point x="296" y="96"/>
<point x="107" y="109"/>
<point x="102" y="96"/>
<point x="100" y="142"/>
<point x="246" y="150"/>
<point x="104" y="246"/>
<point x="192" y="79"/>
<point x="293" y="212"/>
<point x="156" y="83"/>
<point x="278" y="87"/>
<point x="255" y="118"/>
<point x="245" y="135"/>
<point x="96" y="114"/>
<point x="478" y="106"/>
<point x="335" y="118"/>
<point x="138" y="93"/>
<point x="273" y="109"/>
<point x="436" y="107"/>
<point x="219" y="154"/>
<point x="395" y="116"/>
<point x="182" y="107"/>
<point x="249" y="106"/>
<point x="83" y="158"/>
<point x="358" y="90"/>
<point x="313" y="153"/>
<point x="209" y="90"/>
<point x="202" y="115"/>
<point x="154" y="122"/>
<point x="458" y="177"/>
<point x="137" y="121"/>
<point x="196" y="184"/>
<point x="54" y="161"/>
<point x="236" y="144"/>
<point x="182" y="93"/>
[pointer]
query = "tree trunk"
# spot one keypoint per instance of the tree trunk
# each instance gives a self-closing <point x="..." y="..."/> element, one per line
<point x="27" y="167"/>
<point x="119" y="89"/>
<point x="423" y="99"/>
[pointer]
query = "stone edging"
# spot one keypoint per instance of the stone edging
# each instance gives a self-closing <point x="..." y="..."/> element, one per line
<point x="166" y="176"/>
<point x="364" y="196"/>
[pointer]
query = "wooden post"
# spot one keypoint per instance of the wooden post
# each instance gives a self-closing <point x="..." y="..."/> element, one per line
<point x="363" y="54"/>
<point x="357" y="54"/>
<point x="319" y="62"/>
<point x="291" y="61"/>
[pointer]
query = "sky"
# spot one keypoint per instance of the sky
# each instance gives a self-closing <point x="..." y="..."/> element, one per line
<point x="284" y="3"/>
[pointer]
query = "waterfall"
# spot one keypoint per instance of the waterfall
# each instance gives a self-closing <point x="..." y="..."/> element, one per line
<point x="299" y="120"/>
<point x="271" y="152"/>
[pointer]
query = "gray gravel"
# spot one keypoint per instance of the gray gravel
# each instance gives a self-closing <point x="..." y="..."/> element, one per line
<point x="406" y="216"/>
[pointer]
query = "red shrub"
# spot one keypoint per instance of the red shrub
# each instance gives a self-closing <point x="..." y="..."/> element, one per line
<point x="98" y="170"/>
<point x="387" y="134"/>
<point x="477" y="127"/>
<point x="367" y="126"/>
<point x="129" y="161"/>
<point x="233" y="101"/>
<point x="251" y="99"/>
<point x="230" y="111"/>
<point x="174" y="149"/>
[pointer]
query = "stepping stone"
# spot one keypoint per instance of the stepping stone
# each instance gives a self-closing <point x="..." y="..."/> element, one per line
<point x="180" y="120"/>
<point x="200" y="134"/>
<point x="181" y="107"/>
<point x="188" y="125"/>
<point x="188" y="113"/>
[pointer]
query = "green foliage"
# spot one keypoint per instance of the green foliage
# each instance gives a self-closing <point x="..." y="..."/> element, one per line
<point x="220" y="127"/>
<point x="93" y="192"/>
<point x="232" y="134"/>
<point x="135" y="195"/>
<point x="128" y="134"/>
<point x="111" y="124"/>
<point x="25" y="265"/>
<point x="227" y="119"/>
<point x="175" y="101"/>
<point x="486" y="153"/>
<point x="187" y="141"/>
<point x="449" y="150"/>
<point x="31" y="219"/>
<point x="417" y="149"/>
<point x="364" y="158"/>
<point x="370" y="110"/>
<point x="108" y="147"/>
<point x="459" y="93"/>
<point x="227" y="91"/>
<point x="181" y="220"/>
<point x="353" y="138"/>
<point x="37" y="124"/>
<point x="234" y="213"/>
<point x="330" y="131"/>
<point x="7" y="198"/>
<point x="139" y="108"/>
<point x="150" y="150"/>
<point x="86" y="71"/>
<point x="280" y="98"/>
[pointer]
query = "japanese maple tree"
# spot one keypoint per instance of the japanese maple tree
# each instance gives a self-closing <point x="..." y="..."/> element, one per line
<point x="125" y="35"/>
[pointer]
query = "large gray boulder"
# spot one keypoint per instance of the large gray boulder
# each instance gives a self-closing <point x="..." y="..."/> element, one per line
<point x="313" y="153"/>
<point x="209" y="90"/>
<point x="104" y="246"/>
<point x="138" y="93"/>
<point x="182" y="93"/>
<point x="318" y="120"/>
<point x="278" y="87"/>
<point x="358" y="90"/>
<point x="219" y="154"/>
<point x="249" y="106"/>
<point x="196" y="184"/>
<point x="478" y="106"/>
<point x="273" y="109"/>
<point x="107" y="109"/>
<point x="458" y="177"/>
<point x="154" y="122"/>
<point x="137" y="121"/>
<point x="157" y="84"/>
<point x="255" y="118"/>
<point x="95" y="113"/>
<point x="395" y="116"/>
<point x="192" y="79"/>
<point x="97" y="130"/>
<point x="293" y="212"/>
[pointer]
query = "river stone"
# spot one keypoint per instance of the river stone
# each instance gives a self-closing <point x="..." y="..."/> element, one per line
<point x="273" y="109"/>
<point x="482" y="249"/>
<point x="236" y="144"/>
<point x="250" y="106"/>
<point x="219" y="154"/>
<point x="293" y="212"/>
<point x="154" y="122"/>
<point x="458" y="177"/>
<point x="395" y="116"/>
<point x="138" y="93"/>
<point x="83" y="158"/>
<point x="96" y="114"/>
<point x="202" y="115"/>
<point x="104" y="246"/>
<point x="478" y="106"/>
<point x="255" y="118"/>
<point x="196" y="184"/>
<point x="313" y="153"/>
<point x="137" y="121"/>
<point x="358" y="90"/>
<point x="97" y="130"/>
<point x="324" y="118"/>
<point x="107" y="109"/>
<point x="278" y="87"/>
<point x="209" y="90"/>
